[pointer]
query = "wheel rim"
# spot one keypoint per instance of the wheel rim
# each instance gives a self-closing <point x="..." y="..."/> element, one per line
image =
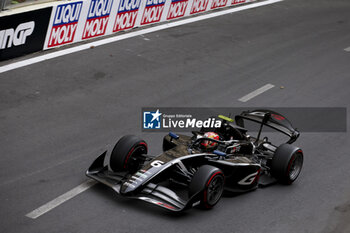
<point x="215" y="190"/>
<point x="295" y="167"/>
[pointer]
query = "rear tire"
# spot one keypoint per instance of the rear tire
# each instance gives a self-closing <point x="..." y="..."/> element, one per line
<point x="208" y="183"/>
<point x="125" y="154"/>
<point x="287" y="163"/>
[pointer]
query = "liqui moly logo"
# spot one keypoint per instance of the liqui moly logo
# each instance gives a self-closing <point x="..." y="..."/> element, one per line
<point x="236" y="2"/>
<point x="97" y="18"/>
<point x="177" y="9"/>
<point x="199" y="6"/>
<point x="218" y="3"/>
<point x="127" y="14"/>
<point x="153" y="11"/>
<point x="65" y="24"/>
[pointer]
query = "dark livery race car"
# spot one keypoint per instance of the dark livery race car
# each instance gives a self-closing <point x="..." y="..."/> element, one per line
<point x="195" y="170"/>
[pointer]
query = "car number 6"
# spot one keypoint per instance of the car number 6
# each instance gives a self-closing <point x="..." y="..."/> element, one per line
<point x="157" y="163"/>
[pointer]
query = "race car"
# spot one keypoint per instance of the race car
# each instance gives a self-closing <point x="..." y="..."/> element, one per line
<point x="196" y="170"/>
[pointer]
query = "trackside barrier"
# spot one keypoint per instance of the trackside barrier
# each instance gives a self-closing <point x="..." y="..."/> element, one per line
<point x="23" y="33"/>
<point x="74" y="21"/>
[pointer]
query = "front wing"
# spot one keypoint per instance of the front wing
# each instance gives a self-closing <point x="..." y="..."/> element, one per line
<point x="152" y="193"/>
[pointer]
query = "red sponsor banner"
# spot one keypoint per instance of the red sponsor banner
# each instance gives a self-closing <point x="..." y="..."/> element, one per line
<point x="125" y="20"/>
<point x="177" y="9"/>
<point x="127" y="14"/>
<point x="95" y="27"/>
<point x="153" y="11"/>
<point x="236" y="2"/>
<point x="218" y="3"/>
<point x="97" y="18"/>
<point x="65" y="24"/>
<point x="199" y="6"/>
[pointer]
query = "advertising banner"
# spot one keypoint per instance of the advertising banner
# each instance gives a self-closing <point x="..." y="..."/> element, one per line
<point x="74" y="21"/>
<point x="64" y="24"/>
<point x="127" y="14"/>
<point x="23" y="33"/>
<point x="97" y="18"/>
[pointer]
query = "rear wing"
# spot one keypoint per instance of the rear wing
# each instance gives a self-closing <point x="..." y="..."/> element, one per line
<point x="271" y="119"/>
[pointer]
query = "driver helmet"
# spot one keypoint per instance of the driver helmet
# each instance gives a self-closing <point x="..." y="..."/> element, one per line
<point x="210" y="144"/>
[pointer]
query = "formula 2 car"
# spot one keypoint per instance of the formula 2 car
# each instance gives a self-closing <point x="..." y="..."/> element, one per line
<point x="195" y="170"/>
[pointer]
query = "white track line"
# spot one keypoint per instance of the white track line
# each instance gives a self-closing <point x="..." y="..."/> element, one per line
<point x="347" y="49"/>
<point x="78" y="48"/>
<point x="61" y="199"/>
<point x="255" y="93"/>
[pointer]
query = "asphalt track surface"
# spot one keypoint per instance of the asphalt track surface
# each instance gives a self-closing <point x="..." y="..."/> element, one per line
<point x="57" y="116"/>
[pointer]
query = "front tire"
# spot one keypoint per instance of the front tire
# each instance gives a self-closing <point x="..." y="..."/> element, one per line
<point x="126" y="154"/>
<point x="287" y="163"/>
<point x="208" y="183"/>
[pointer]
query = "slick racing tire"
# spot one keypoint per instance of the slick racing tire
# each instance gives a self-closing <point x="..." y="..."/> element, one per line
<point x="126" y="154"/>
<point x="287" y="163"/>
<point x="208" y="183"/>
